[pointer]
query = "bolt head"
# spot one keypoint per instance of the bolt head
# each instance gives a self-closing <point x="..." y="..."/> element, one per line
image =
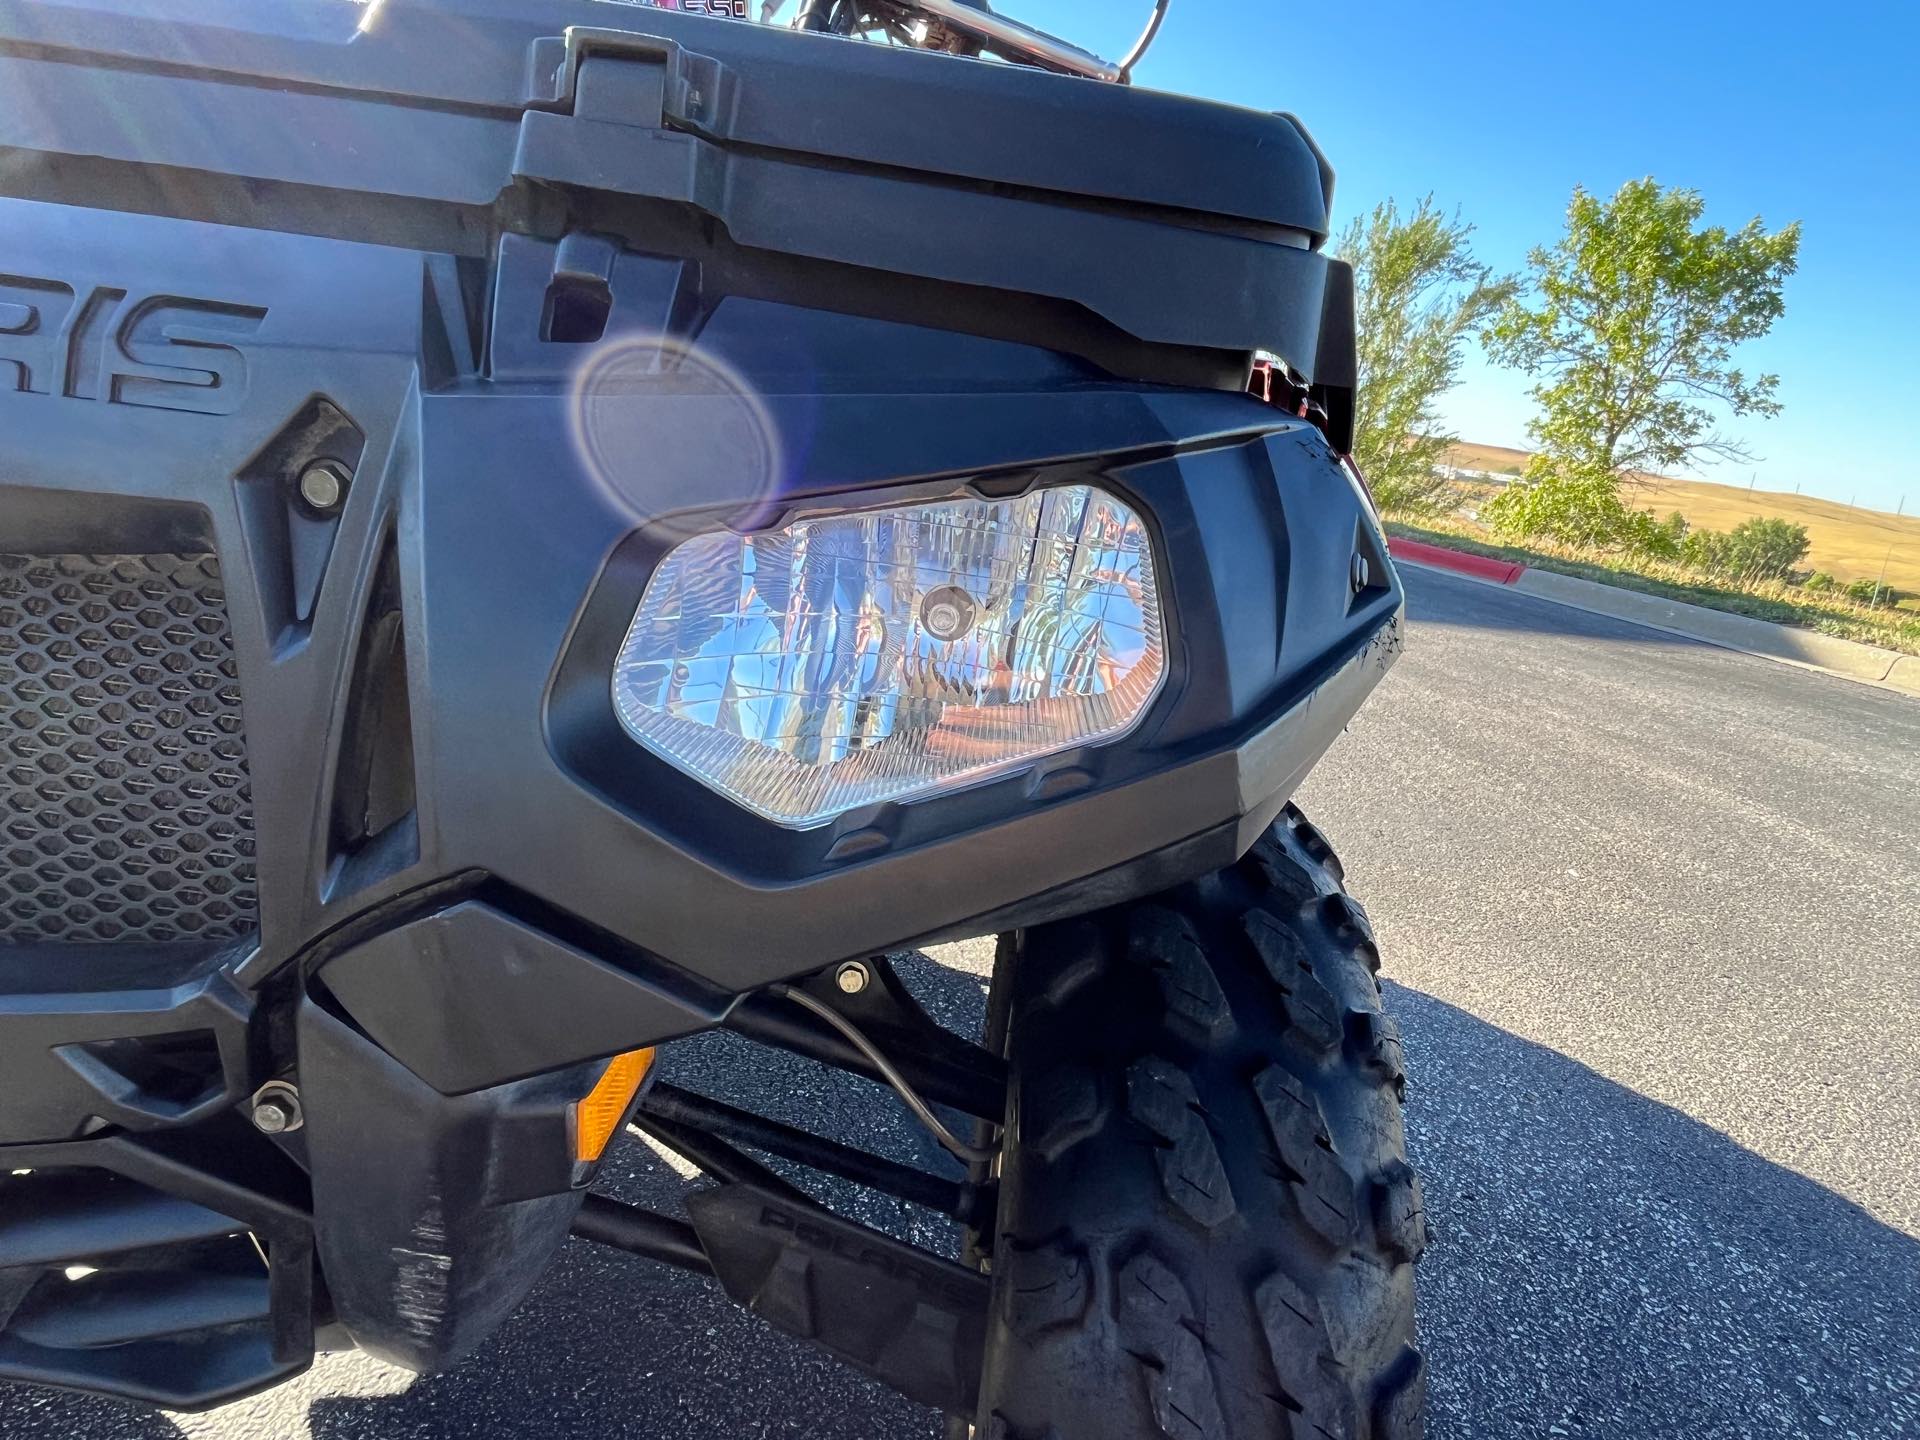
<point x="276" y="1108"/>
<point x="272" y="1115"/>
<point x="1362" y="574"/>
<point x="323" y="485"/>
<point x="851" y="978"/>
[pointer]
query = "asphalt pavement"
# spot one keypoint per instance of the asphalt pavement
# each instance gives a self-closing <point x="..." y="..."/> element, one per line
<point x="1651" y="911"/>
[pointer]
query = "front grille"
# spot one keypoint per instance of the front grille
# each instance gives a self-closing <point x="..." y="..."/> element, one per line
<point x="125" y="812"/>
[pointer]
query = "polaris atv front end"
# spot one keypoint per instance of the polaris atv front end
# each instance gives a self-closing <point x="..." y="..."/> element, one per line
<point x="533" y="529"/>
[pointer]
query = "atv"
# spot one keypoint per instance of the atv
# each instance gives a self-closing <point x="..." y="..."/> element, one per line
<point x="532" y="529"/>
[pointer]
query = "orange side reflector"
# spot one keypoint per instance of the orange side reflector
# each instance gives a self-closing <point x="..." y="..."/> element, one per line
<point x="597" y="1116"/>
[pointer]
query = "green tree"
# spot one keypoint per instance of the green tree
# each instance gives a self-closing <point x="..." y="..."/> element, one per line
<point x="1629" y="323"/>
<point x="1419" y="296"/>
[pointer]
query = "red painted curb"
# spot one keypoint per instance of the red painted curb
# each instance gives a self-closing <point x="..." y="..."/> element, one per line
<point x="1501" y="572"/>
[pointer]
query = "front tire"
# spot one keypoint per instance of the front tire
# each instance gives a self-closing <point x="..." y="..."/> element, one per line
<point x="1207" y="1224"/>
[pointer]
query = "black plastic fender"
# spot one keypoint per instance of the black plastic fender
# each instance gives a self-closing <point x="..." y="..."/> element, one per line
<point x="432" y="1216"/>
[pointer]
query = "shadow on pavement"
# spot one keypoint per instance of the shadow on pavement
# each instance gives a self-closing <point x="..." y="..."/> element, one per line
<point x="1435" y="597"/>
<point x="1602" y="1265"/>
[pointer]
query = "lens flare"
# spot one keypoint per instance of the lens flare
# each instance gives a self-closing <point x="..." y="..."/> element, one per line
<point x="665" y="427"/>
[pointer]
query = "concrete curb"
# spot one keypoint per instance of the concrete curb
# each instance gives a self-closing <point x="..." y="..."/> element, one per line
<point x="1849" y="659"/>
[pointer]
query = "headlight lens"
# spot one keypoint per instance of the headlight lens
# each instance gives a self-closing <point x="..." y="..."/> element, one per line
<point x="891" y="654"/>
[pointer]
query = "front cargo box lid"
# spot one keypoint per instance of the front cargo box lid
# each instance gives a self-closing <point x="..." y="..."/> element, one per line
<point x="806" y="95"/>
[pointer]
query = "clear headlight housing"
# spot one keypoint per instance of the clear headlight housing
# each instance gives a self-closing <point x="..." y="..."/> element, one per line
<point x="894" y="654"/>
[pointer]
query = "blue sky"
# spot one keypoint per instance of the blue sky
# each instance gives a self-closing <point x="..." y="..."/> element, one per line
<point x="1808" y="113"/>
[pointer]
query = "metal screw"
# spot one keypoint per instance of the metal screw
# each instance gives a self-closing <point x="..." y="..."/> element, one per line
<point x="323" y="485"/>
<point x="1362" y="573"/>
<point x="276" y="1108"/>
<point x="851" y="977"/>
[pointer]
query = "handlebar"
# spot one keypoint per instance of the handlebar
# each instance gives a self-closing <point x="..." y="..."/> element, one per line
<point x="1001" y="35"/>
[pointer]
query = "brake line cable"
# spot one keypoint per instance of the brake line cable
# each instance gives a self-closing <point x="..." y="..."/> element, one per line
<point x="950" y="1142"/>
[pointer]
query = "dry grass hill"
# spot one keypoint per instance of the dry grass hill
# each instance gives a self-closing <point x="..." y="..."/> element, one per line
<point x="1849" y="543"/>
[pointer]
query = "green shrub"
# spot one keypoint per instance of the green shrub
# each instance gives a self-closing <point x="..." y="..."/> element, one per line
<point x="1868" y="593"/>
<point x="1754" y="552"/>
<point x="1819" y="580"/>
<point x="1409" y="491"/>
<point x="1705" y="551"/>
<point x="1577" y="506"/>
<point x="1765" y="548"/>
<point x="1655" y="539"/>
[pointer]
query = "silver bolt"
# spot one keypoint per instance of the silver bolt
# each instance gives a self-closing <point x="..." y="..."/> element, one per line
<point x="852" y="978"/>
<point x="323" y="485"/>
<point x="276" y="1108"/>
<point x="1362" y="573"/>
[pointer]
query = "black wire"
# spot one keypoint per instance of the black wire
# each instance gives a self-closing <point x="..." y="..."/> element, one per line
<point x="952" y="1143"/>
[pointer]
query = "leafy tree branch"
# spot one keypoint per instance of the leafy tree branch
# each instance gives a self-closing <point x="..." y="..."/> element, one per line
<point x="1420" y="297"/>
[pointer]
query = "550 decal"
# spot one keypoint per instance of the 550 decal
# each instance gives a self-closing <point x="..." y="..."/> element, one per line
<point x="169" y="352"/>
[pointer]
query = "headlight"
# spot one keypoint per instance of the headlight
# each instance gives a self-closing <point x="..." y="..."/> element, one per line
<point x="893" y="654"/>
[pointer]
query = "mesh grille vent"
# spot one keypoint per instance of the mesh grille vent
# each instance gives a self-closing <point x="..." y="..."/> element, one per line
<point x="125" y="808"/>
